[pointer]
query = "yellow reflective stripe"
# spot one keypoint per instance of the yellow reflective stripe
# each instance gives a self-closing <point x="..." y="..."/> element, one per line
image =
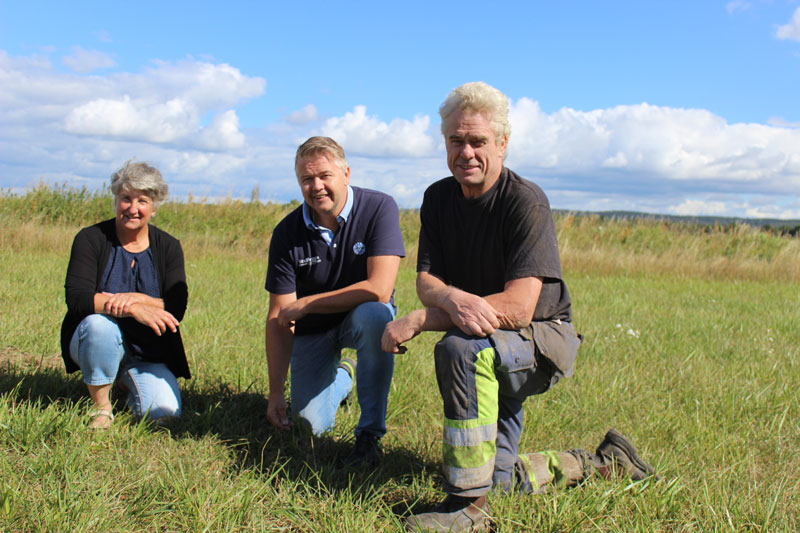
<point x="469" y="436"/>
<point x="486" y="385"/>
<point x="466" y="478"/>
<point x="555" y="467"/>
<point x="469" y="424"/>
<point x="528" y="468"/>
<point x="469" y="456"/>
<point x="469" y="446"/>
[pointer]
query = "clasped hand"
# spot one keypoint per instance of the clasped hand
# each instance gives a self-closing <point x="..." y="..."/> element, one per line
<point x="139" y="307"/>
<point x="471" y="314"/>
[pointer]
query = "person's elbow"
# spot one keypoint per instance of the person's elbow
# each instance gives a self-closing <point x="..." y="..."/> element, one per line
<point x="518" y="317"/>
<point x="383" y="294"/>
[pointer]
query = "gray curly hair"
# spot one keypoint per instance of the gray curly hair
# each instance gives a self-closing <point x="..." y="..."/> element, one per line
<point x="140" y="177"/>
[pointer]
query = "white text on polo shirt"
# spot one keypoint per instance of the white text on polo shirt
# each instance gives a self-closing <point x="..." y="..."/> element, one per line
<point x="308" y="261"/>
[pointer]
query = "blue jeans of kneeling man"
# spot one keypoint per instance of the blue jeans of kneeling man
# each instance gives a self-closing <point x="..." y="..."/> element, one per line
<point x="318" y="385"/>
<point x="98" y="348"/>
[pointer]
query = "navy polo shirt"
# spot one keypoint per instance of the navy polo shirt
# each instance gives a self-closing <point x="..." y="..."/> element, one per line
<point x="301" y="261"/>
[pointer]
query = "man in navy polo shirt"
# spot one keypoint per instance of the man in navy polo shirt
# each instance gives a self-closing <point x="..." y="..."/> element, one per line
<point x="333" y="262"/>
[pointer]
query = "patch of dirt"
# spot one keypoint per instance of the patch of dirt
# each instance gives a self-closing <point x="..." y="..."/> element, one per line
<point x="13" y="356"/>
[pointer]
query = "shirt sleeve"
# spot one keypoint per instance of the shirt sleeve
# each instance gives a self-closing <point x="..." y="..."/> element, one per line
<point x="429" y="252"/>
<point x="176" y="292"/>
<point x="81" y="283"/>
<point x="532" y="244"/>
<point x="281" y="275"/>
<point x="386" y="237"/>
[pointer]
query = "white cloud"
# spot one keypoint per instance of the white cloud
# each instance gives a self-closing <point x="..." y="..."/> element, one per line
<point x="672" y="147"/>
<point x="791" y="30"/>
<point x="67" y="127"/>
<point x="184" y="117"/>
<point x="303" y="116"/>
<point x="222" y="134"/>
<point x="143" y="120"/>
<point x="699" y="207"/>
<point x="84" y="61"/>
<point x="208" y="86"/>
<point x="103" y="36"/>
<point x="357" y="132"/>
<point x="737" y="5"/>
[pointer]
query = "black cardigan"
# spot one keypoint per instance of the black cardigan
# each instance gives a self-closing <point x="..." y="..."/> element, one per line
<point x="87" y="263"/>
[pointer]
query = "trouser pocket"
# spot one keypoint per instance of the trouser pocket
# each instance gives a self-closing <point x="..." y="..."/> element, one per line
<point x="521" y="370"/>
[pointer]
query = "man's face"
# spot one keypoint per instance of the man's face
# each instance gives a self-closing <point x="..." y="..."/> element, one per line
<point x="324" y="186"/>
<point x="474" y="155"/>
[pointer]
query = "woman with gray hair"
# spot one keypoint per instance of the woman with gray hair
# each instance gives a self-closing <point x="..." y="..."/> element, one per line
<point x="126" y="293"/>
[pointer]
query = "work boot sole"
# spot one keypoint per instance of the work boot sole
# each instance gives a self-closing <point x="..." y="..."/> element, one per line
<point x="618" y="439"/>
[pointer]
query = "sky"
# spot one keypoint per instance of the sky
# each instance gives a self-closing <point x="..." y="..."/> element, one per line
<point x="683" y="107"/>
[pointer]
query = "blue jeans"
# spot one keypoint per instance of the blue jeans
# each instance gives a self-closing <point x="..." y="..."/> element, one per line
<point x="98" y="348"/>
<point x="318" y="385"/>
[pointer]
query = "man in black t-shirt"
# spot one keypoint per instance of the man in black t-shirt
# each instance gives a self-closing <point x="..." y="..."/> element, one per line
<point x="333" y="262"/>
<point x="489" y="274"/>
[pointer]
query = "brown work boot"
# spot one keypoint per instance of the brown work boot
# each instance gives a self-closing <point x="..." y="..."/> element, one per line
<point x="455" y="514"/>
<point x="617" y="457"/>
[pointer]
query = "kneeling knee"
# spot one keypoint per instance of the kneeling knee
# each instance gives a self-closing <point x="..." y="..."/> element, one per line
<point x="456" y="348"/>
<point x="371" y="317"/>
<point x="98" y="324"/>
<point x="161" y="411"/>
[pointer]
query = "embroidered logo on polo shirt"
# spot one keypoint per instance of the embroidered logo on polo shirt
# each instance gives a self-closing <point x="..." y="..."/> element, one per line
<point x="359" y="248"/>
<point x="308" y="261"/>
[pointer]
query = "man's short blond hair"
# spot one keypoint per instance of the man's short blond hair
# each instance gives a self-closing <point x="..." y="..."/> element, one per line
<point x="316" y="146"/>
<point x="479" y="97"/>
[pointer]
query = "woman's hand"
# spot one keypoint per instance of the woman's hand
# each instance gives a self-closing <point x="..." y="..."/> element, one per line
<point x="157" y="319"/>
<point x="119" y="304"/>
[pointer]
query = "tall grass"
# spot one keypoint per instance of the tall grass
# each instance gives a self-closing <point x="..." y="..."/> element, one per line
<point x="587" y="243"/>
<point x="691" y="348"/>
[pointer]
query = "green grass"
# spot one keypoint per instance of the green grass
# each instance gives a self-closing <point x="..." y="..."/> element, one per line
<point x="691" y="350"/>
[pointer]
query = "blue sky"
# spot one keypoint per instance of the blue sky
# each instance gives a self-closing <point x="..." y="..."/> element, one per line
<point x="678" y="108"/>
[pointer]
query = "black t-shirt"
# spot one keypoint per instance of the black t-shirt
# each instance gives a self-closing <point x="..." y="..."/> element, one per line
<point x="301" y="261"/>
<point x="479" y="244"/>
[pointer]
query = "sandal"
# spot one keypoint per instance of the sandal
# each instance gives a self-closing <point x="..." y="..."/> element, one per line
<point x="100" y="418"/>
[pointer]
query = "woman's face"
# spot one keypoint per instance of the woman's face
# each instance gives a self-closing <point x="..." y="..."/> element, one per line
<point x="134" y="209"/>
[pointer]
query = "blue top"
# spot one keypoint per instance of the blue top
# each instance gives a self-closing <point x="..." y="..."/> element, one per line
<point x="132" y="272"/>
<point x="303" y="261"/>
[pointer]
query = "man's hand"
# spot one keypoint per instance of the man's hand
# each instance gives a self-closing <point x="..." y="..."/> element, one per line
<point x="291" y="312"/>
<point x="470" y="313"/>
<point x="159" y="320"/>
<point x="276" y="412"/>
<point x="401" y="330"/>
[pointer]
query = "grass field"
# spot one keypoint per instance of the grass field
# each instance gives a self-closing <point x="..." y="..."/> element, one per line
<point x="692" y="337"/>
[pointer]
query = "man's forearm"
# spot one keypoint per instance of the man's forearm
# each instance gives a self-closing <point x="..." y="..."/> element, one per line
<point x="512" y="308"/>
<point x="278" y="344"/>
<point x="430" y="319"/>
<point x="431" y="290"/>
<point x="516" y="304"/>
<point x="344" y="299"/>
